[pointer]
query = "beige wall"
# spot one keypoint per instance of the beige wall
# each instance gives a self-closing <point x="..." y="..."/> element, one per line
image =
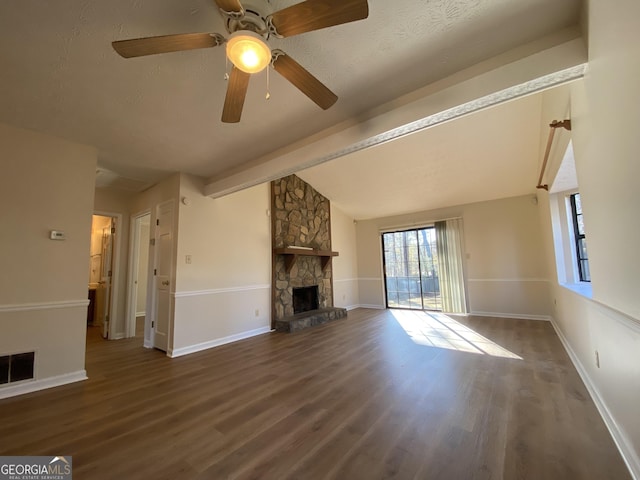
<point x="605" y="117"/>
<point x="607" y="145"/>
<point x="345" y="265"/>
<point x="506" y="270"/>
<point x="166" y="190"/>
<point x="46" y="184"/>
<point x="224" y="293"/>
<point x="370" y="275"/>
<point x="504" y="257"/>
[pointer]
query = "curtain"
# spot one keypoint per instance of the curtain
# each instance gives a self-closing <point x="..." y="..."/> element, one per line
<point x="449" y="245"/>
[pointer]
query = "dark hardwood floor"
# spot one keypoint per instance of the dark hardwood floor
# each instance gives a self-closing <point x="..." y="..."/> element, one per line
<point x="362" y="398"/>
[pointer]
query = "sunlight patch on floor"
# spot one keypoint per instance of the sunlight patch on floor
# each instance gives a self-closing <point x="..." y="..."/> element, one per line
<point x="435" y="329"/>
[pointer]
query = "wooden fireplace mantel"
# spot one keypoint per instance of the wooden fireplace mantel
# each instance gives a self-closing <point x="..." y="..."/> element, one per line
<point x="291" y="253"/>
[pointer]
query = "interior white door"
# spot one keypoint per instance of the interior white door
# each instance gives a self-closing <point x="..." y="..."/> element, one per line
<point x="163" y="275"/>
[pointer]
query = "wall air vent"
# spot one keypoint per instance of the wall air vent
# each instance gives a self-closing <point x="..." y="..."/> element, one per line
<point x="17" y="367"/>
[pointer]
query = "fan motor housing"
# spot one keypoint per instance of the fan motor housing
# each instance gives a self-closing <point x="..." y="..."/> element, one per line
<point x="254" y="17"/>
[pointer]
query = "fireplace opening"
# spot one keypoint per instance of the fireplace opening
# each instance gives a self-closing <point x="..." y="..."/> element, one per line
<point x="305" y="299"/>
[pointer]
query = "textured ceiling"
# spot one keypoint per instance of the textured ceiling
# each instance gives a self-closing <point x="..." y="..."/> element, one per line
<point x="152" y="116"/>
<point x="483" y="156"/>
<point x="155" y="115"/>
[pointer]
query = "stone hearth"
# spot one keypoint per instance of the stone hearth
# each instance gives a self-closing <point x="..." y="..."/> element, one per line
<point x="303" y="320"/>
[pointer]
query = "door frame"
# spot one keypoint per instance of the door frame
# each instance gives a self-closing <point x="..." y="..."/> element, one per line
<point x="153" y="265"/>
<point x="384" y="266"/>
<point x="132" y="274"/>
<point x="115" y="272"/>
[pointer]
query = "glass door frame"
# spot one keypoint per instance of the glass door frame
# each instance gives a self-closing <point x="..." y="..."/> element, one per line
<point x="420" y="272"/>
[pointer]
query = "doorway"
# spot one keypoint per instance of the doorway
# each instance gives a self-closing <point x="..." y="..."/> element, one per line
<point x="150" y="276"/>
<point x="138" y="274"/>
<point x="410" y="259"/>
<point x="101" y="270"/>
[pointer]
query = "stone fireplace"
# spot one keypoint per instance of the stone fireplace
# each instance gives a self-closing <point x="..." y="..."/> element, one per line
<point x="302" y="255"/>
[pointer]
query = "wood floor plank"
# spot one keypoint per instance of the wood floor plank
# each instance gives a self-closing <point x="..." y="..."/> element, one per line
<point x="381" y="394"/>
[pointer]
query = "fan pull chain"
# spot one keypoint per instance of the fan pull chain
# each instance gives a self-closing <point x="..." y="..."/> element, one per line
<point x="268" y="95"/>
<point x="226" y="68"/>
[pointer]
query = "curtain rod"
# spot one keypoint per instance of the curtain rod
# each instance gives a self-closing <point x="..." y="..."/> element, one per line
<point x="427" y="223"/>
<point x="553" y="125"/>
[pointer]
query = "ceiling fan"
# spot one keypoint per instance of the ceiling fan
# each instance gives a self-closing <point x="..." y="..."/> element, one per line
<point x="249" y="25"/>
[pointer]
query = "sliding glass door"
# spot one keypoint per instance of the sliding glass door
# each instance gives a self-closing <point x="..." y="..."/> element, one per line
<point x="411" y="269"/>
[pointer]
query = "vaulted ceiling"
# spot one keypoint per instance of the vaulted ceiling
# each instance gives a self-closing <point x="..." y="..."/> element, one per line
<point x="484" y="156"/>
<point x="151" y="116"/>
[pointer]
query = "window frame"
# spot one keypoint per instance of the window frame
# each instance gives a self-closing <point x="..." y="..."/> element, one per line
<point x="423" y="304"/>
<point x="579" y="238"/>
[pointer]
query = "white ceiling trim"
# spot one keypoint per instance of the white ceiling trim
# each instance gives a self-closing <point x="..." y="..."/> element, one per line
<point x="511" y="93"/>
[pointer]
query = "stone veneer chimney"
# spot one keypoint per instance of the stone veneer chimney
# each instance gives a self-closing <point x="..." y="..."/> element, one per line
<point x="300" y="217"/>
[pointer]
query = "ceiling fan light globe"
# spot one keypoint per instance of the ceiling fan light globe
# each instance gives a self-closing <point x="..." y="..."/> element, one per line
<point x="248" y="52"/>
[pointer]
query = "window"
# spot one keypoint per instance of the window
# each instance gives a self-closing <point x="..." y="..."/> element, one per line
<point x="581" y="242"/>
<point x="569" y="239"/>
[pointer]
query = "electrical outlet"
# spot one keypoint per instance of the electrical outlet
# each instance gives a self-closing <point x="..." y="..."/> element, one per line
<point x="257" y="312"/>
<point x="187" y="259"/>
<point x="597" y="359"/>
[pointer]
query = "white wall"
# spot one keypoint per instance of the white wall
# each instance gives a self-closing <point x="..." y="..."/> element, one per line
<point x="46" y="184"/>
<point x="345" y="265"/>
<point x="605" y="118"/>
<point x="504" y="256"/>
<point x="224" y="293"/>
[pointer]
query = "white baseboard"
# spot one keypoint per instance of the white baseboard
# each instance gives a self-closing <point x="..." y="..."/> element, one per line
<point x="518" y="316"/>
<point x="365" y="305"/>
<point x="178" y="352"/>
<point x="622" y="442"/>
<point x="36" y="385"/>
<point x="118" y="336"/>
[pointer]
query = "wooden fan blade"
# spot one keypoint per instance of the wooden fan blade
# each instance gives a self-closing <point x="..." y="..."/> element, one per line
<point x="139" y="47"/>
<point x="316" y="14"/>
<point x="304" y="81"/>
<point x="236" y="92"/>
<point x="229" y="5"/>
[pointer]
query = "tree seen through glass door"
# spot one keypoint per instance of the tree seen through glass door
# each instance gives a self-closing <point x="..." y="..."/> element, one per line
<point x="411" y="269"/>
